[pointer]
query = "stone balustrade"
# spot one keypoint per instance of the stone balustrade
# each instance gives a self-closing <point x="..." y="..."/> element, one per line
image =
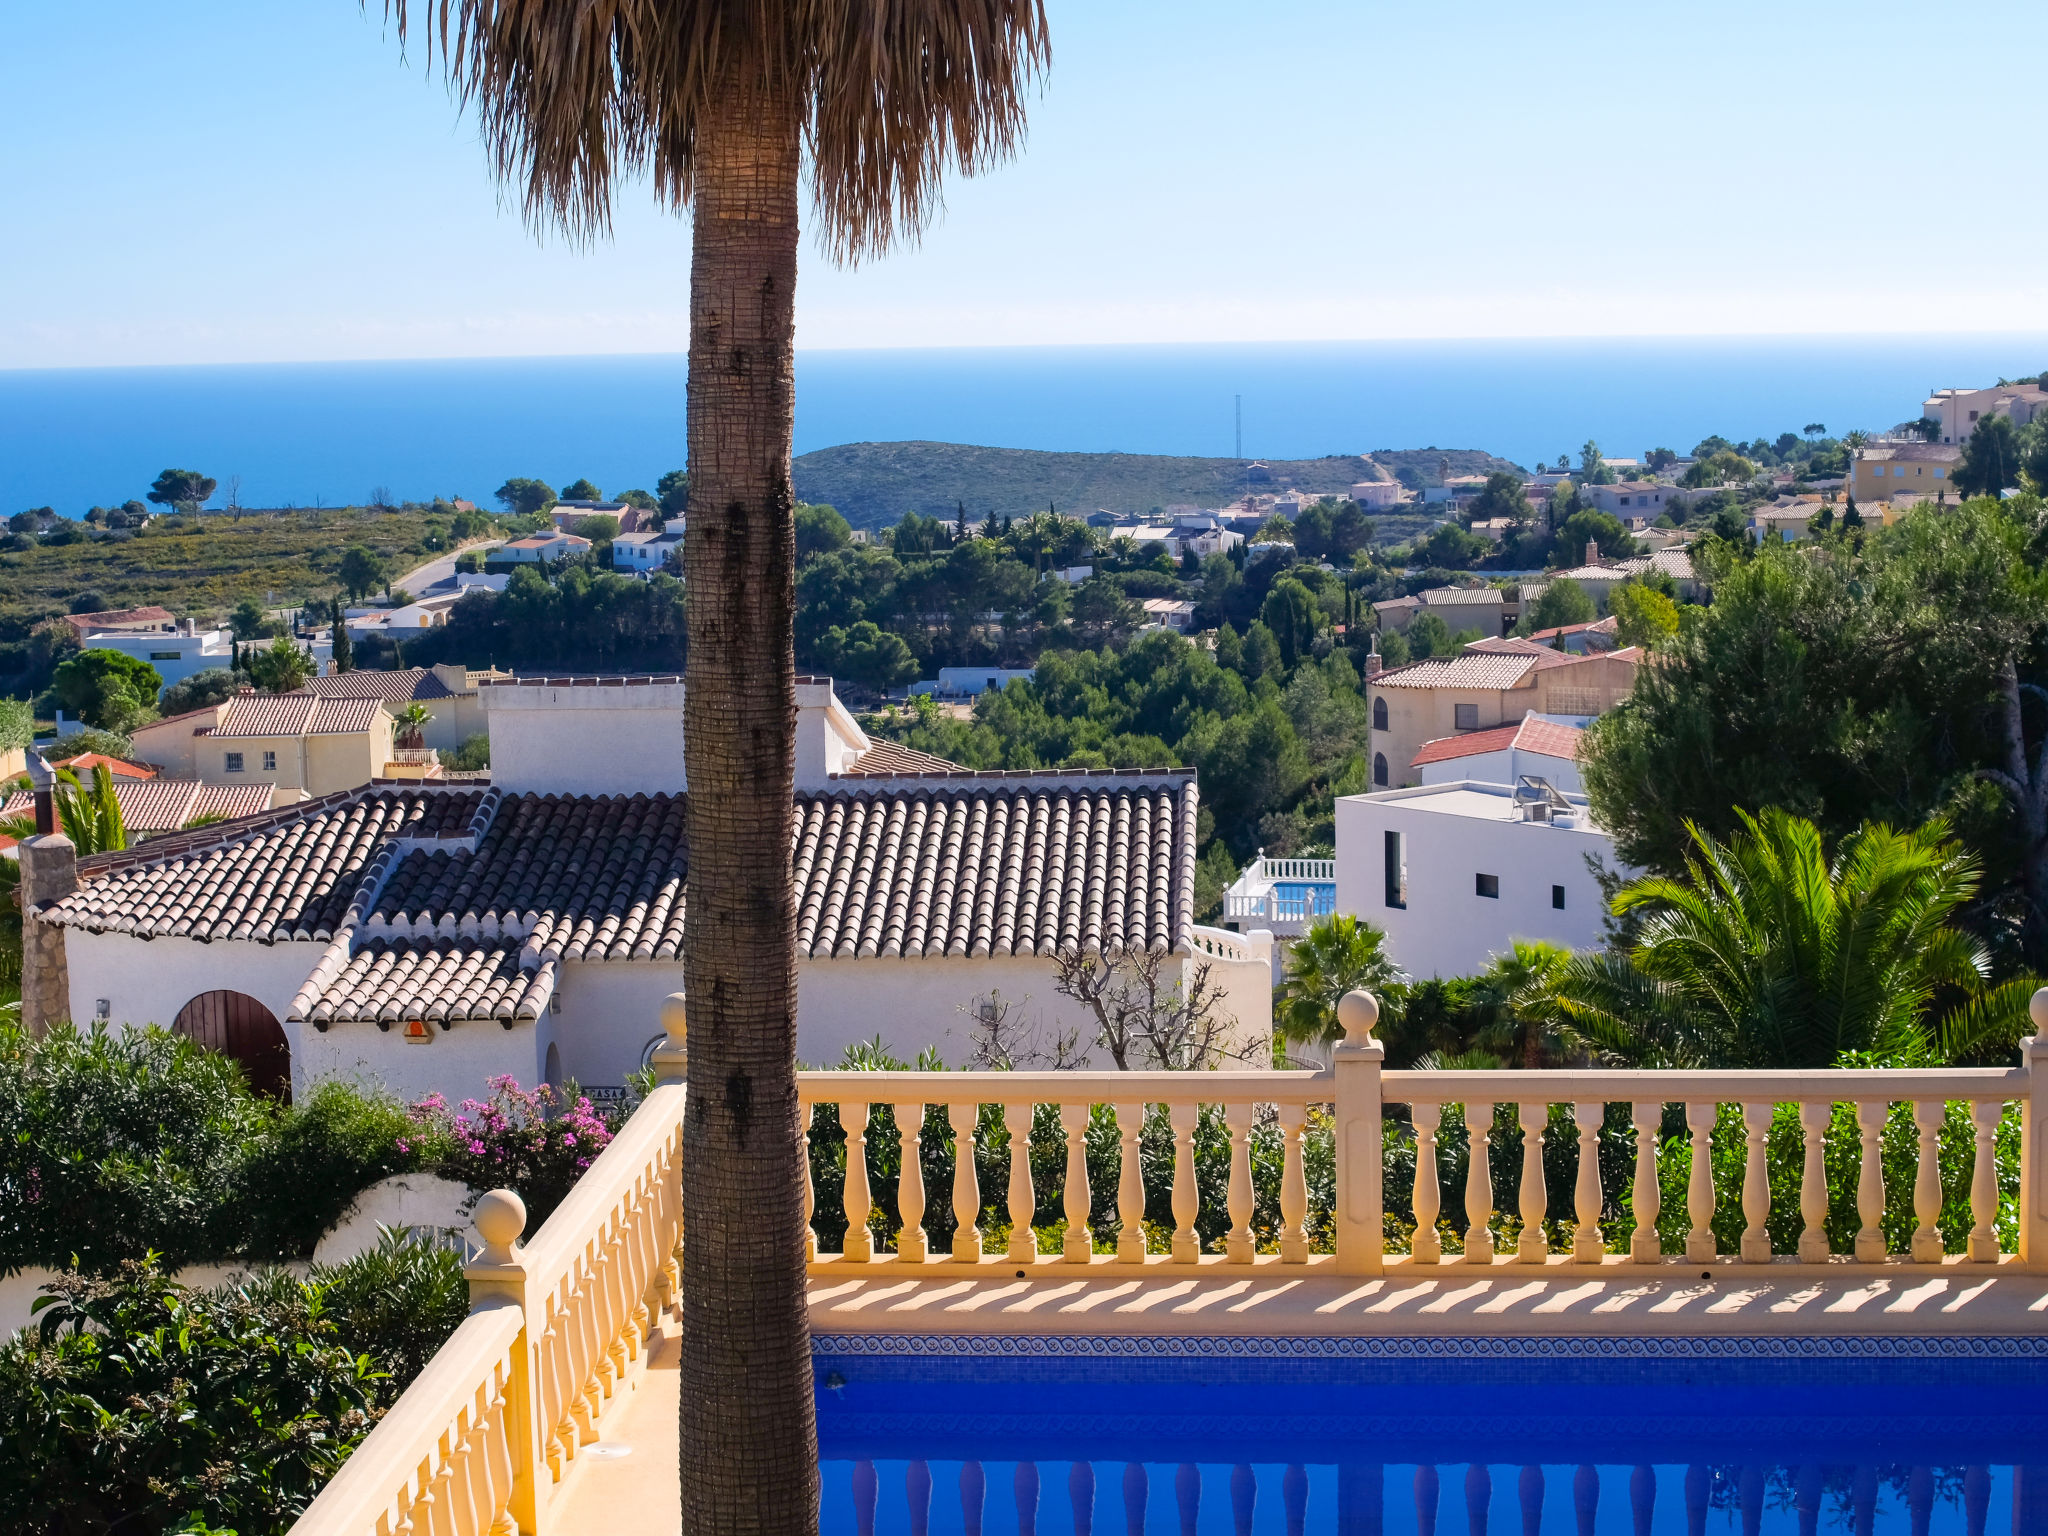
<point x="1349" y="1104"/>
<point x="481" y="1443"/>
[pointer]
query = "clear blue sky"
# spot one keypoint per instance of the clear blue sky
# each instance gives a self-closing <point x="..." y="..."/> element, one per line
<point x="246" y="180"/>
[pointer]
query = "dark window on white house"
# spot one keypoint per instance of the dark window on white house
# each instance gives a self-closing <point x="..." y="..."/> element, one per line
<point x="1379" y="769"/>
<point x="1397" y="871"/>
<point x="1557" y="897"/>
<point x="233" y="763"/>
<point x="270" y="762"/>
<point x="1487" y="885"/>
<point x="1465" y="717"/>
<point x="1379" y="714"/>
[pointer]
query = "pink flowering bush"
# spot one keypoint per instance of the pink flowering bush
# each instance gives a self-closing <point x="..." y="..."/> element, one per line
<point x="536" y="1141"/>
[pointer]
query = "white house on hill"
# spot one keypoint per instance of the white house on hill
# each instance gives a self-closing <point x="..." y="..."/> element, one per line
<point x="428" y="937"/>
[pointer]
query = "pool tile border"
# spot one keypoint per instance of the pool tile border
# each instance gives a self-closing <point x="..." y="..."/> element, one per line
<point x="1196" y="1346"/>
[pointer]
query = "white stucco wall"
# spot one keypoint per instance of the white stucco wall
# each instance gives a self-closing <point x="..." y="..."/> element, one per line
<point x="457" y="1063"/>
<point x="586" y="741"/>
<point x="146" y="981"/>
<point x="1504" y="767"/>
<point x="1447" y="928"/>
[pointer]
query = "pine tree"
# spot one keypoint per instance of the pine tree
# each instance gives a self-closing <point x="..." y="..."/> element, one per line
<point x="960" y="524"/>
<point x="344" y="648"/>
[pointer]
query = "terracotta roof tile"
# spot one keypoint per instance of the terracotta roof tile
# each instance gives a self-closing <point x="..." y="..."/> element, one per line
<point x="296" y="714"/>
<point x="1471" y="744"/>
<point x="892" y="757"/>
<point x="441" y="981"/>
<point x="164" y="805"/>
<point x="1549" y="738"/>
<point x="1470" y="668"/>
<point x="392" y="687"/>
<point x="114" y="618"/>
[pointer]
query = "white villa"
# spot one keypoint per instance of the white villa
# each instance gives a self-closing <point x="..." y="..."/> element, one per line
<point x="429" y="937"/>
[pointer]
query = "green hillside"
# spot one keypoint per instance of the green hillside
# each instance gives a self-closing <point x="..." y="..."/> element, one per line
<point x="874" y="484"/>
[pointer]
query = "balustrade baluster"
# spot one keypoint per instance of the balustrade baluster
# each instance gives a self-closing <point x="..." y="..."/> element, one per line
<point x="1646" y="1198"/>
<point x="1588" y="1241"/>
<point x="1294" y="1498"/>
<point x="1529" y="1493"/>
<point x="1530" y="1248"/>
<point x="1478" y="1497"/>
<point x="1927" y="1116"/>
<point x="1642" y="1497"/>
<point x="1023" y="1200"/>
<point x="1187" y="1199"/>
<point x="1756" y="1185"/>
<point x="1024" y="1490"/>
<point x="859" y="1246"/>
<point x="917" y="1494"/>
<point x="1136" y="1487"/>
<point x="1428" y="1247"/>
<point x="1984" y="1116"/>
<point x="1699" y="1489"/>
<point x="865" y="1487"/>
<point x="1130" y="1185"/>
<point x="1749" y="1488"/>
<point x="1187" y="1495"/>
<point x="1428" y="1489"/>
<point x="1699" y="1185"/>
<point x="973" y="1494"/>
<point x="964" y="1118"/>
<point x="804" y="1111"/>
<point x="911" y="1244"/>
<point x="1080" y="1497"/>
<point x="1976" y="1499"/>
<point x="1806" y="1496"/>
<point x="1863" y="1500"/>
<point x="1870" y="1248"/>
<point x="1238" y="1244"/>
<point x="1244" y="1497"/>
<point x="1079" y="1244"/>
<point x="1813" y="1183"/>
<point x="1920" y="1499"/>
<point x="1479" y="1185"/>
<point x="1293" y="1186"/>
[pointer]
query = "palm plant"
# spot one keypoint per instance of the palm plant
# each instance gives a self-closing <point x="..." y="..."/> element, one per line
<point x="411" y="723"/>
<point x="91" y="818"/>
<point x="722" y="103"/>
<point x="1512" y="1008"/>
<point x="1767" y="953"/>
<point x="1338" y="954"/>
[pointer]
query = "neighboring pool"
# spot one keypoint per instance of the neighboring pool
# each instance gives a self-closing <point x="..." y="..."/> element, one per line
<point x="1873" y="1443"/>
<point x="1320" y="899"/>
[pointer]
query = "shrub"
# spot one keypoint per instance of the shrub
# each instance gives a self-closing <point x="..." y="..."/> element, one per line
<point x="518" y="1140"/>
<point x="302" y="1179"/>
<point x="397" y="1303"/>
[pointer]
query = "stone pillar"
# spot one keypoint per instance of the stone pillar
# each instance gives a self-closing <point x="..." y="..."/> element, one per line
<point x="1361" y="1233"/>
<point x="49" y="873"/>
<point x="2033" y="1143"/>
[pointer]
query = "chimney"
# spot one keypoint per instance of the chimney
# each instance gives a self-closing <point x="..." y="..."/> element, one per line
<point x="1592" y="552"/>
<point x="49" y="873"/>
<point x="1373" y="664"/>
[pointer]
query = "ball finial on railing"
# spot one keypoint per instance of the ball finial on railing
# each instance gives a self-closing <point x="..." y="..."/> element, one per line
<point x="1358" y="1011"/>
<point x="2037" y="1010"/>
<point x="671" y="1059"/>
<point x="500" y="1218"/>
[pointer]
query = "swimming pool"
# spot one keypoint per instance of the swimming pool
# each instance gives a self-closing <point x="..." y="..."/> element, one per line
<point x="1315" y="899"/>
<point x="1870" y="1437"/>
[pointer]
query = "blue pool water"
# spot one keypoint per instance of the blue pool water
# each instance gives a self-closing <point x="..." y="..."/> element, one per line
<point x="1870" y="1444"/>
<point x="1321" y="899"/>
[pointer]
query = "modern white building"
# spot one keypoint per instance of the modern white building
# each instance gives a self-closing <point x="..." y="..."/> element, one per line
<point x="1456" y="872"/>
<point x="1377" y="493"/>
<point x="645" y="553"/>
<point x="967" y="682"/>
<point x="176" y="654"/>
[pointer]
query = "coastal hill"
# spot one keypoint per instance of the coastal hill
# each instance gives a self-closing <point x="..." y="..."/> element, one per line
<point x="874" y="484"/>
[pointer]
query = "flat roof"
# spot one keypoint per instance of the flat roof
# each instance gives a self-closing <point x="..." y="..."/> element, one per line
<point x="1476" y="802"/>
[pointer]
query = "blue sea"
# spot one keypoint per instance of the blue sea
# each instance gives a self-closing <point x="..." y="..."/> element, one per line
<point x="326" y="433"/>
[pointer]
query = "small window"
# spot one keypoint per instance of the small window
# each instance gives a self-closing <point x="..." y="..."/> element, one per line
<point x="1624" y="501"/>
<point x="1940" y="474"/>
<point x="232" y="762"/>
<point x="165" y="655"/>
<point x="1397" y="871"/>
<point x="1379" y="714"/>
<point x="270" y="762"/>
<point x="1465" y="716"/>
<point x="1487" y="886"/>
<point x="1557" y="897"/>
<point x="1379" y="769"/>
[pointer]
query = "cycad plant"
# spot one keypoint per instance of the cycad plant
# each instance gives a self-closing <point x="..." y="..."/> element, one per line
<point x="91" y="818"/>
<point x="1769" y="953"/>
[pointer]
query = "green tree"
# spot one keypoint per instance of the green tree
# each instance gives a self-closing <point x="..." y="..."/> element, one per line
<point x="581" y="490"/>
<point x="408" y="726"/>
<point x="1766" y="953"/>
<point x="1337" y="954"/>
<point x="1429" y="635"/>
<point x="725" y="109"/>
<point x="820" y="530"/>
<point x="1593" y="469"/>
<point x="2033" y="446"/>
<point x="280" y="666"/>
<point x="1562" y="602"/>
<point x="524" y="497"/>
<point x="212" y="686"/>
<point x="598" y="527"/>
<point x="643" y="500"/>
<point x="673" y="490"/>
<point x="1290" y="613"/>
<point x="1991" y="458"/>
<point x="1642" y="615"/>
<point x="869" y="655"/>
<point x="1451" y="548"/>
<point x="17" y="723"/>
<point x="1587" y="526"/>
<point x="344" y="649"/>
<point x="249" y="620"/>
<point x="1501" y="496"/>
<point x="361" y="572"/>
<point x="1723" y="468"/>
<point x="182" y="490"/>
<point x="108" y="689"/>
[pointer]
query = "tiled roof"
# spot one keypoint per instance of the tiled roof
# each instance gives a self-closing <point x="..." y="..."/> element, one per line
<point x="1470" y="668"/>
<point x="114" y="618"/>
<point x="118" y="767"/>
<point x="292" y="876"/>
<point x="392" y="687"/>
<point x="1912" y="453"/>
<point x="1675" y="563"/>
<point x="892" y="758"/>
<point x="296" y="714"/>
<point x="1549" y="738"/>
<point x="441" y="981"/>
<point x="1462" y="597"/>
<point x="1471" y="744"/>
<point x="164" y="805"/>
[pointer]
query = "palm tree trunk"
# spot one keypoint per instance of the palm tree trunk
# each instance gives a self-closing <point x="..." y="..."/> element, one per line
<point x="749" y="1428"/>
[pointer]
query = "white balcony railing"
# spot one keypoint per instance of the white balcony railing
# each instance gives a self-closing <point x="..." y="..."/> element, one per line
<point x="1275" y="907"/>
<point x="1321" y="870"/>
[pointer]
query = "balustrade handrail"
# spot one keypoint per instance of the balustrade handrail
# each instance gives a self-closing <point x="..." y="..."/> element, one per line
<point x="1150" y="1087"/>
<point x="1621" y="1085"/>
<point x="453" y="1409"/>
<point x="608" y="1180"/>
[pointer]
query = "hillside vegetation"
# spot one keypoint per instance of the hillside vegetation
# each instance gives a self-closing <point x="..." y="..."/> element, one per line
<point x="874" y="484"/>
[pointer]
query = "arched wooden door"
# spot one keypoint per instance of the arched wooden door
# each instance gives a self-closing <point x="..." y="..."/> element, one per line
<point x="237" y="1025"/>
